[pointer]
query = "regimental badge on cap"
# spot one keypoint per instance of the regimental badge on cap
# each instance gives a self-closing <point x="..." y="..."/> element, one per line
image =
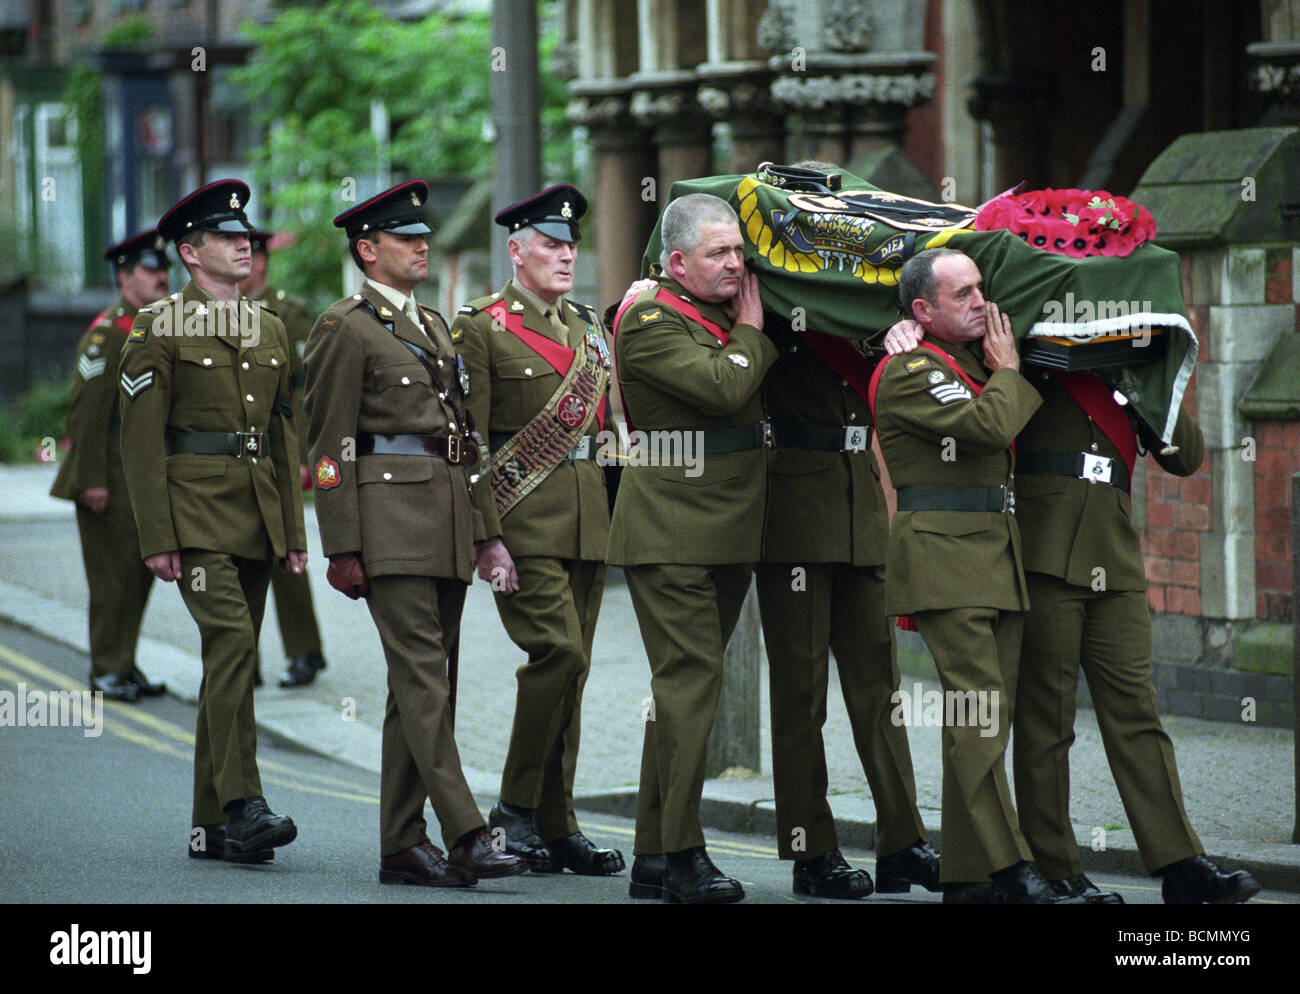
<point x="218" y="206"/>
<point x="399" y="210"/>
<point x="554" y="212"/>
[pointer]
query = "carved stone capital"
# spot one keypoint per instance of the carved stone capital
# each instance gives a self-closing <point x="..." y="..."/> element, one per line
<point x="1275" y="74"/>
<point x="811" y="93"/>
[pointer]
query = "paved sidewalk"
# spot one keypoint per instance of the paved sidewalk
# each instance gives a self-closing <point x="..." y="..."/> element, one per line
<point x="1237" y="778"/>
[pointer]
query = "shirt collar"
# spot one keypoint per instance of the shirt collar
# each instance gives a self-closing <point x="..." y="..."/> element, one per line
<point x="543" y="306"/>
<point x="395" y="296"/>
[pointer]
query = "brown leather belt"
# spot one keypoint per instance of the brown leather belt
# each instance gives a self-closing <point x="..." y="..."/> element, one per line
<point x="456" y="449"/>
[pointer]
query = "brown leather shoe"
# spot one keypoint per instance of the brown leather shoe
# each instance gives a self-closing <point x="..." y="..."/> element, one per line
<point x="423" y="865"/>
<point x="475" y="854"/>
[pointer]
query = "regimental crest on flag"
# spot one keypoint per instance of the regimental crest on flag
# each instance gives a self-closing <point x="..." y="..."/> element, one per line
<point x="572" y="410"/>
<point x="89" y="368"/>
<point x="134" y="386"/>
<point x="327" y="474"/>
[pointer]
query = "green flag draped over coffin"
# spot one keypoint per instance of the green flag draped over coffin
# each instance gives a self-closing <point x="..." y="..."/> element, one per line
<point x="836" y="257"/>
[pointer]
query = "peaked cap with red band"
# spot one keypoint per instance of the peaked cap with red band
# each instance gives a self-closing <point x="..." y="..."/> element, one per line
<point x="554" y="212"/>
<point x="144" y="249"/>
<point x="399" y="210"/>
<point x="218" y="206"/>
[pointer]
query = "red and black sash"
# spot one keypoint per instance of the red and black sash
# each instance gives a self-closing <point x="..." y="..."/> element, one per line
<point x="1099" y="403"/>
<point x="683" y="307"/>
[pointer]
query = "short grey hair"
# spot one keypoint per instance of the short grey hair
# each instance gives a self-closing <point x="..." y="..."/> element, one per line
<point x="916" y="279"/>
<point x="679" y="229"/>
<point x="521" y="235"/>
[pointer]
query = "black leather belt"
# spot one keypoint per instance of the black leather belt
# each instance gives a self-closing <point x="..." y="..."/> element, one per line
<point x="1082" y="465"/>
<point x="585" y="449"/>
<point x="823" y="438"/>
<point x="215" y="443"/>
<point x="456" y="449"/>
<point x="1000" y="499"/>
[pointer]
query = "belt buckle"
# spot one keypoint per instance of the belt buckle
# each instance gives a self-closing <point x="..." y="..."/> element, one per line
<point x="1097" y="469"/>
<point x="582" y="450"/>
<point x="857" y="438"/>
<point x="249" y="443"/>
<point x="1008" y="500"/>
<point x="454" y="449"/>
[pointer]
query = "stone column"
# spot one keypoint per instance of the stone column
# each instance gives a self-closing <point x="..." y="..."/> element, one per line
<point x="850" y="71"/>
<point x="683" y="134"/>
<point x="739" y="94"/>
<point x="624" y="160"/>
<point x="1017" y="106"/>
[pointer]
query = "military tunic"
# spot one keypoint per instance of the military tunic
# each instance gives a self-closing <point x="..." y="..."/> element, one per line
<point x="117" y="578"/>
<point x="556" y="536"/>
<point x="294" y="611"/>
<point x="411" y="521"/>
<point x="185" y="370"/>
<point x="821" y="587"/>
<point x="1088" y="609"/>
<point x="687" y="540"/>
<point x="959" y="575"/>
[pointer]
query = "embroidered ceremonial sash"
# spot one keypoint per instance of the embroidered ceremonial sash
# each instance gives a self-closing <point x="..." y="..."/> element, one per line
<point x="533" y="452"/>
<point x="1099" y="403"/>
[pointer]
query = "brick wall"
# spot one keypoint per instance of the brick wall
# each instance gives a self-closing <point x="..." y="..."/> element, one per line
<point x="1278" y="457"/>
<point x="1179" y="510"/>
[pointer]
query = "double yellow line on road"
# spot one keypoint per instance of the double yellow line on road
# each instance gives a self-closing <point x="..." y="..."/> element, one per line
<point x="133" y="724"/>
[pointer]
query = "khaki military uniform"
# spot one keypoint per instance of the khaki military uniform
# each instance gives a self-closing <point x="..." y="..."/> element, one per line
<point x="1088" y="608"/>
<point x="117" y="578"/>
<point x="231" y="518"/>
<point x="958" y="574"/>
<point x="556" y="536"/>
<point x="294" y="610"/>
<point x="687" y="542"/>
<point x="821" y="586"/>
<point x="411" y="520"/>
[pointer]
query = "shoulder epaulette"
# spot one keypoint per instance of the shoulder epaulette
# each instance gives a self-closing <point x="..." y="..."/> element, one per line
<point x="584" y="312"/>
<point x="472" y="307"/>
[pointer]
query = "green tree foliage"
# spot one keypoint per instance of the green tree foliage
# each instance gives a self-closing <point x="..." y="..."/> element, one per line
<point x="312" y="81"/>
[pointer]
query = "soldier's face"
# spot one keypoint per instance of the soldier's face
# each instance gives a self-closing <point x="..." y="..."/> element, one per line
<point x="712" y="271"/>
<point x="256" y="275"/>
<point x="957" y="312"/>
<point x="399" y="261"/>
<point x="224" y="256"/>
<point x="544" y="264"/>
<point x="142" y="285"/>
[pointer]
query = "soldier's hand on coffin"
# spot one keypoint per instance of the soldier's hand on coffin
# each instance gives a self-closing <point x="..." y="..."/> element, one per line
<point x="295" y="562"/>
<point x="903" y="337"/>
<point x="497" y="567"/>
<point x="999" y="344"/>
<point x="747" y="305"/>
<point x="346" y="574"/>
<point x="165" y="565"/>
<point x="94" y="499"/>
